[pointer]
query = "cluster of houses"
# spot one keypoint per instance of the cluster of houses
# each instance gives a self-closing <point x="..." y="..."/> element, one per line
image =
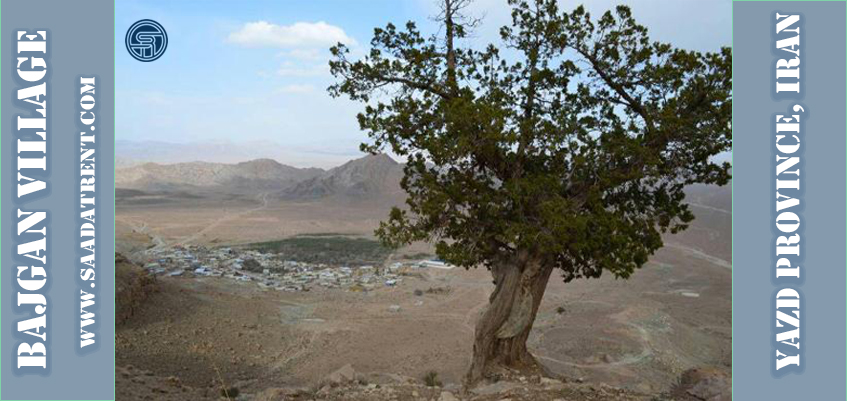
<point x="270" y="271"/>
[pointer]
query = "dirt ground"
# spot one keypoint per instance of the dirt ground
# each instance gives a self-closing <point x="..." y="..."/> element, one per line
<point x="204" y="334"/>
<point x="237" y="219"/>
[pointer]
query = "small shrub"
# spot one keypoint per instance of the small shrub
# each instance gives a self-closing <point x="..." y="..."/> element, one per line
<point x="431" y="379"/>
<point x="229" y="393"/>
<point x="418" y="293"/>
<point x="560" y="310"/>
<point x="438" y="290"/>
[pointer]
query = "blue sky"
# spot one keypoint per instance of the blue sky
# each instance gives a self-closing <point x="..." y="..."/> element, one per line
<point x="256" y="71"/>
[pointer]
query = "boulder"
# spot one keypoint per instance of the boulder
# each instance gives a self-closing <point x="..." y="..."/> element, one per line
<point x="447" y="396"/>
<point x="495" y="388"/>
<point x="709" y="384"/>
<point x="345" y="374"/>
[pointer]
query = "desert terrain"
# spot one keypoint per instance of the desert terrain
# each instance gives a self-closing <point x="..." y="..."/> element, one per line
<point x="204" y="335"/>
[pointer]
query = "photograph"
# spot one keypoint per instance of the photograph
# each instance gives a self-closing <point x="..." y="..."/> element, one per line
<point x="424" y="200"/>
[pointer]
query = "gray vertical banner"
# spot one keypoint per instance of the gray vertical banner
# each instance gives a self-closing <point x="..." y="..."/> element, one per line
<point x="821" y="285"/>
<point x="79" y="310"/>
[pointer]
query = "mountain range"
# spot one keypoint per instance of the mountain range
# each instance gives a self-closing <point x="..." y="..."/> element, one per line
<point x="368" y="177"/>
<point x="130" y="153"/>
<point x="361" y="178"/>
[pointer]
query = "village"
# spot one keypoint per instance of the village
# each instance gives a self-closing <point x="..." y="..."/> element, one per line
<point x="270" y="271"/>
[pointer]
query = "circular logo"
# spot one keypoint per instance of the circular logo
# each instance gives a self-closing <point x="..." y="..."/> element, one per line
<point x="146" y="40"/>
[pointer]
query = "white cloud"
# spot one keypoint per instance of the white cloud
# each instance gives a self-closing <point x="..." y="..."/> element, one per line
<point x="306" y="54"/>
<point x="290" y="69"/>
<point x="297" y="35"/>
<point x="295" y="89"/>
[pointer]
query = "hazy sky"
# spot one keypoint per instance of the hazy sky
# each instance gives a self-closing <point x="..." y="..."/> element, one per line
<point x="257" y="70"/>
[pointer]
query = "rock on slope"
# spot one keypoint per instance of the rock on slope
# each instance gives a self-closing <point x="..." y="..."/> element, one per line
<point x="135" y="384"/>
<point x="132" y="287"/>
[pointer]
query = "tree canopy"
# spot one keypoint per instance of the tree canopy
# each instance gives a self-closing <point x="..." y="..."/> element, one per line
<point x="572" y="139"/>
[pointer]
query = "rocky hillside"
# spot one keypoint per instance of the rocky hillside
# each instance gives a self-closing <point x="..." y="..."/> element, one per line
<point x="366" y="178"/>
<point x="348" y="385"/>
<point x="132" y="287"/>
<point x="253" y="175"/>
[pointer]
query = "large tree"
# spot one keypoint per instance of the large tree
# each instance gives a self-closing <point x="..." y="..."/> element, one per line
<point x="565" y="147"/>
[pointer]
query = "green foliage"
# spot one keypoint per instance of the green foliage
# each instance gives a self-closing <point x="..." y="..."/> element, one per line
<point x="417" y="255"/>
<point x="327" y="248"/>
<point x="571" y="140"/>
<point x="431" y="379"/>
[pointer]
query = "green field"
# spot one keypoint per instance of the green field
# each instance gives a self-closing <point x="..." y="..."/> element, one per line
<point x="332" y="249"/>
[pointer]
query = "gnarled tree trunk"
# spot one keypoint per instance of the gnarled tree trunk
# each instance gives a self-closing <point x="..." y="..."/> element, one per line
<point x="501" y="333"/>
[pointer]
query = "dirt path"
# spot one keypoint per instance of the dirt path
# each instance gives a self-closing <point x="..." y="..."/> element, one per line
<point x="159" y="242"/>
<point x="714" y="209"/>
<point x="702" y="255"/>
<point x="263" y="197"/>
<point x="141" y="226"/>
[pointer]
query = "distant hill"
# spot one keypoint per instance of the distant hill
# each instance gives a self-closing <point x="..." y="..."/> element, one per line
<point x="260" y="174"/>
<point x="131" y="153"/>
<point x="710" y="196"/>
<point x="370" y="177"/>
